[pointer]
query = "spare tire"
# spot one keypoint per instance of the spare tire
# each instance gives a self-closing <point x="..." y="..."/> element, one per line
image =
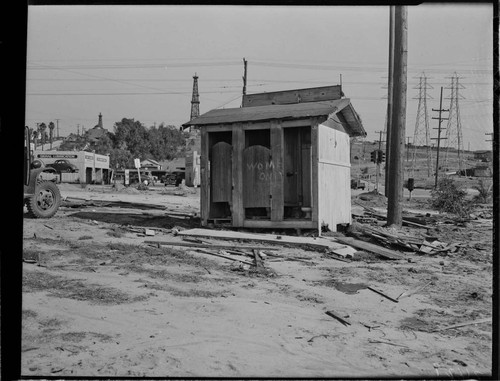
<point x="46" y="200"/>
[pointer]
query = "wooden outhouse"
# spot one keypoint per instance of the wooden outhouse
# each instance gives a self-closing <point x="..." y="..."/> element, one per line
<point x="282" y="160"/>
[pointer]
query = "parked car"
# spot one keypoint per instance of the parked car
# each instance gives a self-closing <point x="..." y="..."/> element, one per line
<point x="357" y="184"/>
<point x="63" y="165"/>
<point x="174" y="177"/>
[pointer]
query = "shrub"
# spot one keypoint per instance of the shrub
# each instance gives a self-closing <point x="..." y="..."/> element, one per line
<point x="449" y="197"/>
<point x="485" y="191"/>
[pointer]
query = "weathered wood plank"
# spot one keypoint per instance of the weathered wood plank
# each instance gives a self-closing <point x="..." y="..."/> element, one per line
<point x="314" y="94"/>
<point x="206" y="245"/>
<point x="237" y="210"/>
<point x="383" y="252"/>
<point x="221" y="172"/>
<point x="309" y="242"/>
<point x="277" y="208"/>
<point x="204" y="177"/>
<point x="257" y="172"/>
<point x="314" y="175"/>
<point x="481" y="321"/>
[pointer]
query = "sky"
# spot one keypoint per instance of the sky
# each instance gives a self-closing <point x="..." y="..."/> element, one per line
<point x="139" y="61"/>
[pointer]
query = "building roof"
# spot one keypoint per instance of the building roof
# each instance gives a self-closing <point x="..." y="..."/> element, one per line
<point x="284" y="112"/>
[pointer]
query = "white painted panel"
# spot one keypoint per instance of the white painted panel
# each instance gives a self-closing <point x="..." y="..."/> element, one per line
<point x="334" y="178"/>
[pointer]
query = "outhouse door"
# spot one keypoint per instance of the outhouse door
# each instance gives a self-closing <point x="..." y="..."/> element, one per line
<point x="257" y="174"/>
<point x="221" y="172"/>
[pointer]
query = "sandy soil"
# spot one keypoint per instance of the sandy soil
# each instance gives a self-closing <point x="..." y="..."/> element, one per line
<point x="98" y="301"/>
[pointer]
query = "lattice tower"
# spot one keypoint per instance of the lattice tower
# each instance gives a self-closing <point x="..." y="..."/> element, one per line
<point x="421" y="134"/>
<point x="195" y="101"/>
<point x="454" y="139"/>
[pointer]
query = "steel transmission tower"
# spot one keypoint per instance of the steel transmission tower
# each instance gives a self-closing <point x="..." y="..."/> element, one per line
<point x="454" y="127"/>
<point x="195" y="101"/>
<point x="421" y="135"/>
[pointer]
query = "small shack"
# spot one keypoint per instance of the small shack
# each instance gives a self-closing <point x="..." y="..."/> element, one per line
<point x="280" y="161"/>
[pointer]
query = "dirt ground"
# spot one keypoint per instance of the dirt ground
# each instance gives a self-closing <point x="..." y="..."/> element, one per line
<point x="98" y="301"/>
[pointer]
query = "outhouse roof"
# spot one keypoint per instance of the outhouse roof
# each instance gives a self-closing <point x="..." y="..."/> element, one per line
<point x="288" y="111"/>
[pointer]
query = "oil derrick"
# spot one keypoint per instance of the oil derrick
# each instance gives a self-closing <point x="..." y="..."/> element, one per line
<point x="454" y="127"/>
<point x="195" y="101"/>
<point x="421" y="135"/>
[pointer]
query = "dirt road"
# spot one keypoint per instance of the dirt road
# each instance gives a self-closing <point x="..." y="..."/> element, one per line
<point x="98" y="301"/>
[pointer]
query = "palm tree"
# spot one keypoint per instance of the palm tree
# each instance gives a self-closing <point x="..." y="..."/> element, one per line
<point x="42" y="127"/>
<point x="51" y="133"/>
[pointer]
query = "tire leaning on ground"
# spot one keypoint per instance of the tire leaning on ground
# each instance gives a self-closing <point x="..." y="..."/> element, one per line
<point x="46" y="200"/>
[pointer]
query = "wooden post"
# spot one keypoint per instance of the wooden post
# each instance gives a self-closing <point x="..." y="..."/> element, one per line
<point x="397" y="141"/>
<point x="389" y="99"/>
<point x="277" y="201"/>
<point x="238" y="146"/>
<point x="204" y="178"/>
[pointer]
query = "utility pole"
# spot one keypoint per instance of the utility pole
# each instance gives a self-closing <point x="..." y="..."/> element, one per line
<point x="398" y="120"/>
<point x="408" y="149"/>
<point x="57" y="127"/>
<point x="439" y="134"/>
<point x="389" y="97"/>
<point x="244" y="79"/>
<point x="377" y="166"/>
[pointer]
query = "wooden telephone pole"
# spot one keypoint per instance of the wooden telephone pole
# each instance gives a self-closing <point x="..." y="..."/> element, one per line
<point x="398" y="120"/>
<point x="389" y="98"/>
<point x="439" y="138"/>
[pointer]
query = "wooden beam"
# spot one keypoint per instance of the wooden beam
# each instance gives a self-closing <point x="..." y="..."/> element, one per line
<point x="204" y="178"/>
<point x="314" y="94"/>
<point x="238" y="212"/>
<point x="277" y="203"/>
<point x="314" y="176"/>
<point x="383" y="252"/>
<point x="207" y="245"/>
<point x="487" y="320"/>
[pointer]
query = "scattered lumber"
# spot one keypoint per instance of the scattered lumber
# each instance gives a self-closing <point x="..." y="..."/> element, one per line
<point x="311" y="243"/>
<point x="257" y="258"/>
<point x="224" y="256"/>
<point x="384" y="295"/>
<point x="487" y="320"/>
<point x="408" y="221"/>
<point x="336" y="316"/>
<point x="366" y="246"/>
<point x="202" y="245"/>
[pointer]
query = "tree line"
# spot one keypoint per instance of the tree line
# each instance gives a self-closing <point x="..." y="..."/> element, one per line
<point x="129" y="140"/>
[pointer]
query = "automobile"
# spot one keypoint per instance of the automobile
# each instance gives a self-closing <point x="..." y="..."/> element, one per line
<point x="63" y="165"/>
<point x="174" y="177"/>
<point x="145" y="179"/>
<point x="357" y="184"/>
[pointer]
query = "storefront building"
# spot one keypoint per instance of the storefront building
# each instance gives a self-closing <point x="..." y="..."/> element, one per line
<point x="92" y="168"/>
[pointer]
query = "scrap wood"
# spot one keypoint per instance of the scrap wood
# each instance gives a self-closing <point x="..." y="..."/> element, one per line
<point x="338" y="257"/>
<point x="346" y="251"/>
<point x="366" y="246"/>
<point x="257" y="258"/>
<point x="200" y="245"/>
<point x="386" y="342"/>
<point x="319" y="243"/>
<point x="405" y="220"/>
<point x="223" y="256"/>
<point x="409" y="293"/>
<point x="487" y="320"/>
<point x="335" y="316"/>
<point x="384" y="295"/>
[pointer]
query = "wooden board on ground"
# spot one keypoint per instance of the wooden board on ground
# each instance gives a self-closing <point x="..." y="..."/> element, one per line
<point x="366" y="246"/>
<point x="204" y="245"/>
<point x="316" y="243"/>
